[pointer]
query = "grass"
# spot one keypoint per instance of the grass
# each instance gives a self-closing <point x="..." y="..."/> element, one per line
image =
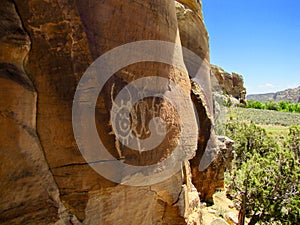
<point x="264" y="117"/>
<point x="276" y="123"/>
<point x="276" y="130"/>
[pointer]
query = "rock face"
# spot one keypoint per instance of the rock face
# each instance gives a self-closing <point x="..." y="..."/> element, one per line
<point x="29" y="193"/>
<point x="46" y="47"/>
<point x="291" y="95"/>
<point x="195" y="37"/>
<point x="230" y="84"/>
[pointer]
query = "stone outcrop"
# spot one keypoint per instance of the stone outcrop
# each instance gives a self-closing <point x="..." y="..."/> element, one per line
<point x="193" y="33"/>
<point x="29" y="194"/>
<point x="195" y="37"/>
<point x="290" y="95"/>
<point x="229" y="83"/>
<point x="46" y="47"/>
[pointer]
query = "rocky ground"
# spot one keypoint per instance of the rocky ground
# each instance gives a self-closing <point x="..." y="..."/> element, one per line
<point x="222" y="212"/>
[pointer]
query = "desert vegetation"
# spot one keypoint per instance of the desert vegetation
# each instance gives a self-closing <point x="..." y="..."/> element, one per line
<point x="264" y="117"/>
<point x="282" y="106"/>
<point x="265" y="180"/>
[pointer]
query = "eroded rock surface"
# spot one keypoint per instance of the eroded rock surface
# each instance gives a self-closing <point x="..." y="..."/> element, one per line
<point x="230" y="83"/>
<point x="206" y="168"/>
<point x="46" y="46"/>
<point x="290" y="95"/>
<point x="29" y="194"/>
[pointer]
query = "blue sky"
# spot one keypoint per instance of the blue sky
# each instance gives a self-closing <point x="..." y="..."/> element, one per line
<point x="259" y="39"/>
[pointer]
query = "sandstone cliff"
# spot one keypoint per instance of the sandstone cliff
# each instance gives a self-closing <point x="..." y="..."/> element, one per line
<point x="230" y="83"/>
<point x="46" y="47"/>
<point x="291" y="95"/>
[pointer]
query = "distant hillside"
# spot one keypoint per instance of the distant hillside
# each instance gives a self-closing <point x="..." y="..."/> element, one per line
<point x="292" y="95"/>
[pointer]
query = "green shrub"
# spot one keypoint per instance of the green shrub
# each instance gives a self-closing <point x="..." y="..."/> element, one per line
<point x="273" y="106"/>
<point x="294" y="141"/>
<point x="255" y="104"/>
<point x="283" y="106"/>
<point x="265" y="183"/>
